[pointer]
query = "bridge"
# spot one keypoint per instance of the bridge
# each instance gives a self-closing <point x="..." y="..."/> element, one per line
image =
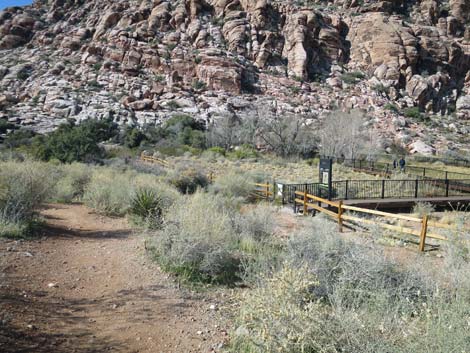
<point x="415" y="184"/>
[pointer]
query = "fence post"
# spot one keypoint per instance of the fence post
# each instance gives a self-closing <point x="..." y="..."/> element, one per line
<point x="360" y="164"/>
<point x="383" y="188"/>
<point x="346" y="191"/>
<point x="295" y="202"/>
<point x="424" y="172"/>
<point x="447" y="187"/>
<point x="387" y="171"/>
<point x="416" y="188"/>
<point x="274" y="190"/>
<point x="305" y="202"/>
<point x="267" y="190"/>
<point x="340" y="214"/>
<point x="424" y="230"/>
<point x="446" y="175"/>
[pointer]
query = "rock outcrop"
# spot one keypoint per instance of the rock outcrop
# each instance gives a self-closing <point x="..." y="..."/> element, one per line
<point x="140" y="62"/>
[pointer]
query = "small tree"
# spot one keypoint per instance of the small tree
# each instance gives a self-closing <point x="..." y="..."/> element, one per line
<point x="287" y="133"/>
<point x="344" y="134"/>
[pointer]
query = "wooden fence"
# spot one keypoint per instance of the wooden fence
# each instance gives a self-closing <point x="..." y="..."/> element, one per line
<point x="263" y="191"/>
<point x="155" y="160"/>
<point x="336" y="210"/>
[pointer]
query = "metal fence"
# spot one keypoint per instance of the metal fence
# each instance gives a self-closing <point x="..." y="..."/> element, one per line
<point x="388" y="169"/>
<point x="381" y="189"/>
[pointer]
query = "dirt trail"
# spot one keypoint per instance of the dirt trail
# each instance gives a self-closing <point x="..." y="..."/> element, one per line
<point x="86" y="286"/>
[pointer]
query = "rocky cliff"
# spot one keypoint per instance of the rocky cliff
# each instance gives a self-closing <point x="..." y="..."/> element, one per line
<point x="141" y="61"/>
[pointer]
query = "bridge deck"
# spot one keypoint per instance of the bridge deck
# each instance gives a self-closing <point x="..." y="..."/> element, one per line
<point x="409" y="202"/>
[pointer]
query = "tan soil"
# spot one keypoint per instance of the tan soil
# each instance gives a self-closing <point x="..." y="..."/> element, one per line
<point x="107" y="294"/>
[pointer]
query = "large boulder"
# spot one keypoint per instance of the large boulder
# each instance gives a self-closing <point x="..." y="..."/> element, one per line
<point x="219" y="72"/>
<point x="377" y="40"/>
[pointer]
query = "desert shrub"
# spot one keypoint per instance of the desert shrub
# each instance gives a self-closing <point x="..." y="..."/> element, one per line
<point x="112" y="191"/>
<point x="109" y="191"/>
<point x="333" y="295"/>
<point x="281" y="316"/>
<point x="218" y="150"/>
<point x="244" y="152"/>
<point x="423" y="208"/>
<point x="187" y="179"/>
<point x="352" y="77"/>
<point x="17" y="138"/>
<point x="413" y="113"/>
<point x="5" y="125"/>
<point x="234" y="184"/>
<point x="72" y="182"/>
<point x="23" y="188"/>
<point x="257" y="223"/>
<point x="74" y="142"/>
<point x="196" y="246"/>
<point x="132" y="137"/>
<point x="392" y="107"/>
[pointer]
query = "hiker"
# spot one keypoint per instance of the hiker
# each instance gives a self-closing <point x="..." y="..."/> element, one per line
<point x="394" y="164"/>
<point x="402" y="164"/>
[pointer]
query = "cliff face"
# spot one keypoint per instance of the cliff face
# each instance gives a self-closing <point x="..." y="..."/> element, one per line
<point x="140" y="61"/>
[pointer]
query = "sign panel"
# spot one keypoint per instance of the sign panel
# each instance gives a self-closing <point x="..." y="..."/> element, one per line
<point x="326" y="173"/>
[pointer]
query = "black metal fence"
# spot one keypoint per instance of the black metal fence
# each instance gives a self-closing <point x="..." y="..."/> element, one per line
<point x="388" y="169"/>
<point x="317" y="189"/>
<point x="381" y="189"/>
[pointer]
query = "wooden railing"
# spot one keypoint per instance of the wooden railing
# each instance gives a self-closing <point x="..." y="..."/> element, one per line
<point x="156" y="160"/>
<point x="264" y="191"/>
<point x="310" y="202"/>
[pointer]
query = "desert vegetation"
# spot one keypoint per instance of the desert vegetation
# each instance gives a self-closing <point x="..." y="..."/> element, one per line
<point x="304" y="289"/>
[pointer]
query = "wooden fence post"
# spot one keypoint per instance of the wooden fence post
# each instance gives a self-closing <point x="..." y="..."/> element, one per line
<point x="267" y="191"/>
<point x="274" y="190"/>
<point x="305" y="202"/>
<point x="424" y="230"/>
<point x="340" y="214"/>
<point x="295" y="202"/>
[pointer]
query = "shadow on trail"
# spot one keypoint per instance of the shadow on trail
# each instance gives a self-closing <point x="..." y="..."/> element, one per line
<point x="66" y="325"/>
<point x="64" y="232"/>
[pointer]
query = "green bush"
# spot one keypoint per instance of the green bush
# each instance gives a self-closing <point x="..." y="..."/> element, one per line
<point x="218" y="150"/>
<point x="5" y="125"/>
<point x="352" y="77"/>
<point x="74" y="143"/>
<point x="188" y="179"/>
<point x="391" y="107"/>
<point x="17" y="138"/>
<point x="413" y="113"/>
<point x="244" y="152"/>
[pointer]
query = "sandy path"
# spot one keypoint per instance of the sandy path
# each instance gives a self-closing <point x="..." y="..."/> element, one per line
<point x="87" y="286"/>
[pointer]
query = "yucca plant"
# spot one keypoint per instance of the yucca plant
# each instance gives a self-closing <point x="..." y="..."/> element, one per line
<point x="147" y="205"/>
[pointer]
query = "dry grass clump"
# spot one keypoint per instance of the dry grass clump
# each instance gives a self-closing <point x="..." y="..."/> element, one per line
<point x="234" y="184"/>
<point x="336" y="296"/>
<point x="188" y="178"/>
<point x="421" y="209"/>
<point x="205" y="238"/>
<point x="111" y="191"/>
<point x="72" y="182"/>
<point x="198" y="241"/>
<point x="23" y="187"/>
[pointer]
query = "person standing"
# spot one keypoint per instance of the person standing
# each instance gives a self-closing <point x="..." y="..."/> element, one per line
<point x="402" y="164"/>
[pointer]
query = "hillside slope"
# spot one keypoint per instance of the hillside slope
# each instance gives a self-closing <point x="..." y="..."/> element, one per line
<point x="141" y="61"/>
